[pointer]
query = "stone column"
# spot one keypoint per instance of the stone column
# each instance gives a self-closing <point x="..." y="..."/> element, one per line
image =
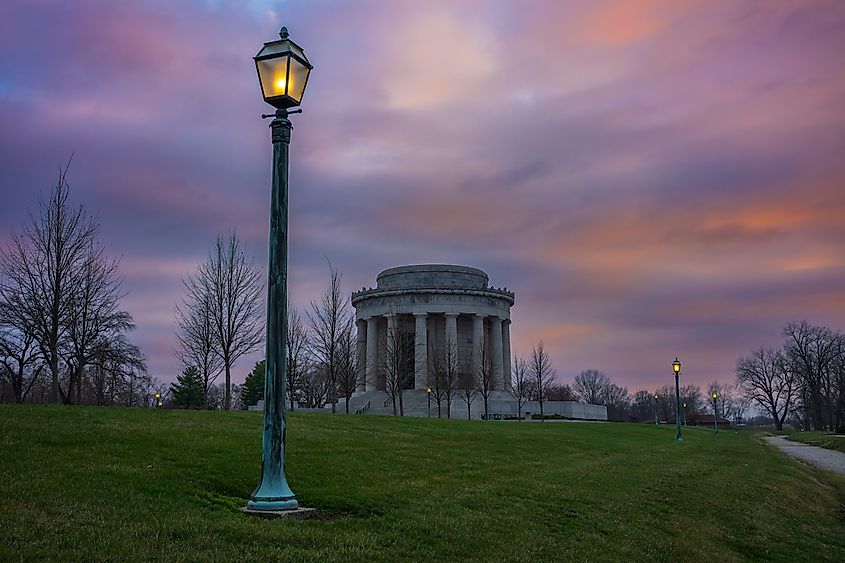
<point x="372" y="354"/>
<point x="361" y="351"/>
<point x="451" y="340"/>
<point x="478" y="344"/>
<point x="506" y="360"/>
<point x="496" y="351"/>
<point x="452" y="330"/>
<point x="421" y="351"/>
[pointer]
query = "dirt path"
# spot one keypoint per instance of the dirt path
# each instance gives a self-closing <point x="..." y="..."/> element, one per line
<point x="830" y="460"/>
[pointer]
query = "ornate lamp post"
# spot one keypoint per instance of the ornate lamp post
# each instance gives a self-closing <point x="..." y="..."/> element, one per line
<point x="282" y="73"/>
<point x="655" y="409"/>
<point x="428" y="391"/>
<point x="676" y="367"/>
<point x="715" y="413"/>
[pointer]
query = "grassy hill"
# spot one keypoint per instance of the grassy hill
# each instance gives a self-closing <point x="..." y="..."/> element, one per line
<point x="118" y="484"/>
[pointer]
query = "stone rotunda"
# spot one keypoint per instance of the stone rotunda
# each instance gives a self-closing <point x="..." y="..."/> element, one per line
<point x="436" y="307"/>
<point x="435" y="310"/>
<point x="441" y="306"/>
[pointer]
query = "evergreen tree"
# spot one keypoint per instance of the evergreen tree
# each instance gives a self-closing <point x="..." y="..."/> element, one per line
<point x="188" y="390"/>
<point x="253" y="388"/>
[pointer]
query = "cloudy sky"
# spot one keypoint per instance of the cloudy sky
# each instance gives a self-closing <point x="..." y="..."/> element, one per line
<point x="652" y="178"/>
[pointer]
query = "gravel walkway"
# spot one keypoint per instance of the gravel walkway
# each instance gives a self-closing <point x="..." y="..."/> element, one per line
<point x="831" y="460"/>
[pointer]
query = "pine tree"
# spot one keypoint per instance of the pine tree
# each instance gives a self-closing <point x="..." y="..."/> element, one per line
<point x="188" y="390"/>
<point x="253" y="388"/>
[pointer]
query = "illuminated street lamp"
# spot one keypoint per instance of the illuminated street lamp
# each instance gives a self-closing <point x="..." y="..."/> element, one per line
<point x="158" y="401"/>
<point x="655" y="409"/>
<point x="715" y="412"/>
<point x="283" y="71"/>
<point x="428" y="391"/>
<point x="685" y="415"/>
<point x="676" y="367"/>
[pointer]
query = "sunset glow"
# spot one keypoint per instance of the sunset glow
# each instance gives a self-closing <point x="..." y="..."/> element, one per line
<point x="657" y="179"/>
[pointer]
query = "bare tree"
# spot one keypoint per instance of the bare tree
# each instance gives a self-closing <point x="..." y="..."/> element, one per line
<point x="315" y="387"/>
<point x="348" y="373"/>
<point x="328" y="319"/>
<point x="486" y="366"/>
<point x="542" y="373"/>
<point x="94" y="317"/>
<point x="692" y="398"/>
<point x="590" y="385"/>
<point x="560" y="392"/>
<point x="196" y="340"/>
<point x="617" y="400"/>
<point x="724" y="396"/>
<point x="20" y="361"/>
<point x="469" y="382"/>
<point x="231" y="283"/>
<point x="765" y="378"/>
<point x="813" y="353"/>
<point x="299" y="360"/>
<point x="443" y="370"/>
<point x="642" y="406"/>
<point x="41" y="273"/>
<point x="397" y="365"/>
<point x="112" y="370"/>
<point x="434" y="379"/>
<point x="521" y="383"/>
<point x="58" y="288"/>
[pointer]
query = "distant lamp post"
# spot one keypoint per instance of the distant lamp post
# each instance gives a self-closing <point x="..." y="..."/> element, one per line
<point x="655" y="409"/>
<point x="428" y="391"/>
<point x="685" y="415"/>
<point x="158" y="399"/>
<point x="676" y="367"/>
<point x="715" y="412"/>
<point x="283" y="71"/>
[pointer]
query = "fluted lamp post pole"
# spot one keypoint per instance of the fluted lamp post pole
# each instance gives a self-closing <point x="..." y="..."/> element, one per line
<point x="655" y="409"/>
<point x="715" y="413"/>
<point x="283" y="73"/>
<point x="676" y="367"/>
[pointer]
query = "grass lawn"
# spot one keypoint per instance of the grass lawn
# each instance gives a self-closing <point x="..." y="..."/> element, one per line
<point x="819" y="438"/>
<point x="117" y="484"/>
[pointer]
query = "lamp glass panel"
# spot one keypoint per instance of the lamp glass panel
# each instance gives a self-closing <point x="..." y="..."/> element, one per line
<point x="273" y="74"/>
<point x="298" y="76"/>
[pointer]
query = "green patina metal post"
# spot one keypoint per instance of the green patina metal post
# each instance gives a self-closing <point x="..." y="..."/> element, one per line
<point x="676" y="367"/>
<point x="283" y="73"/>
<point x="273" y="492"/>
<point x="655" y="410"/>
<point x="715" y="413"/>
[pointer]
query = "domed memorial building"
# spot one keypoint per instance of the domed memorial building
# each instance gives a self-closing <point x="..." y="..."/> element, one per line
<point x="425" y="324"/>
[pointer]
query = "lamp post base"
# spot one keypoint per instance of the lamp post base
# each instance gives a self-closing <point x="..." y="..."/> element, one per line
<point x="299" y="512"/>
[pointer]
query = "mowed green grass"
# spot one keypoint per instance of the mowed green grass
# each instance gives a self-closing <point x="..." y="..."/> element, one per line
<point x="80" y="483"/>
<point x="819" y="438"/>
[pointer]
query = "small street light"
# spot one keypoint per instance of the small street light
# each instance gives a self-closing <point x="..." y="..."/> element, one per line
<point x="283" y="71"/>
<point x="428" y="391"/>
<point x="685" y="415"/>
<point x="715" y="412"/>
<point x="655" y="409"/>
<point x="158" y="400"/>
<point x="676" y="367"/>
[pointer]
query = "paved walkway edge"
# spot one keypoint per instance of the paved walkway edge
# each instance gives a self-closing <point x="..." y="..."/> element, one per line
<point x="829" y="460"/>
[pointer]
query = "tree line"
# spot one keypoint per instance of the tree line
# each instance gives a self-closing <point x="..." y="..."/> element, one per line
<point x="803" y="381"/>
<point x="63" y="333"/>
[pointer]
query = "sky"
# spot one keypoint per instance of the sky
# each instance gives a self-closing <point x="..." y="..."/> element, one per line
<point x="652" y="178"/>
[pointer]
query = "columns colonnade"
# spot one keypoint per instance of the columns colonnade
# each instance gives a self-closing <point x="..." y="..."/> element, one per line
<point x="497" y="346"/>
